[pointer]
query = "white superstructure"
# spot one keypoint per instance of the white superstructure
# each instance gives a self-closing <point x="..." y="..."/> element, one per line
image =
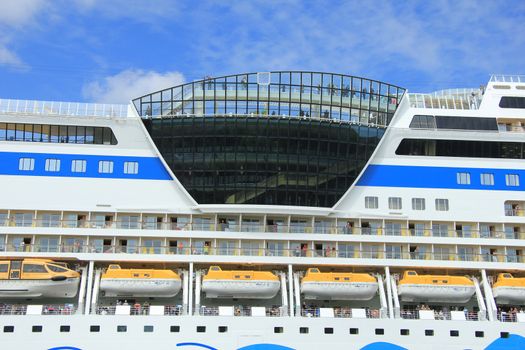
<point x="442" y="194"/>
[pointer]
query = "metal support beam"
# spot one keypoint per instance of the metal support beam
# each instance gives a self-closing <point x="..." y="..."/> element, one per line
<point x="96" y="285"/>
<point x="82" y="290"/>
<point x="190" y="290"/>
<point x="397" y="306"/>
<point x="184" y="292"/>
<point x="297" y="292"/>
<point x="491" y="303"/>
<point x="290" y="289"/>
<point x="389" y="292"/>
<point x="382" y="296"/>
<point x="197" y="293"/>
<point x="91" y="267"/>
<point x="284" y="295"/>
<point x="481" y="303"/>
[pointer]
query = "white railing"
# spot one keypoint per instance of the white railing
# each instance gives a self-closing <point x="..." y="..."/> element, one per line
<point x="507" y="78"/>
<point x="462" y="99"/>
<point x="54" y="108"/>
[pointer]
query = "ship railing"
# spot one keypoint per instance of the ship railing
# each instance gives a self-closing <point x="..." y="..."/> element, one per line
<point x="512" y="315"/>
<point x="461" y="101"/>
<point x="430" y="314"/>
<point x="327" y="251"/>
<point x="340" y="312"/>
<point x="138" y="310"/>
<point x="507" y="78"/>
<point x="45" y="309"/>
<point x="274" y="228"/>
<point x="250" y="311"/>
<point x="56" y="108"/>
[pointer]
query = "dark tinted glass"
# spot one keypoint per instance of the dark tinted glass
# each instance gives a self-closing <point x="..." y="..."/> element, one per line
<point x="466" y="123"/>
<point x="262" y="160"/>
<point x="460" y="148"/>
<point x="512" y="102"/>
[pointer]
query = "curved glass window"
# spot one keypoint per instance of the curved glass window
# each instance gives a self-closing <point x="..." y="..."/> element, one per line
<point x="279" y="138"/>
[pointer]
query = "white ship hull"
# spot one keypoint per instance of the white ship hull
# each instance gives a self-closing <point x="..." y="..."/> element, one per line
<point x="450" y="294"/>
<point x="508" y="295"/>
<point x="339" y="290"/>
<point x="129" y="287"/>
<point x="39" y="288"/>
<point x="240" y="289"/>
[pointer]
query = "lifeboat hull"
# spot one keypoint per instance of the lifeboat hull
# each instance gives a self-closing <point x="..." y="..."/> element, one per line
<point x="436" y="293"/>
<point x="66" y="288"/>
<point x="339" y="290"/>
<point x="240" y="289"/>
<point x="508" y="295"/>
<point x="133" y="287"/>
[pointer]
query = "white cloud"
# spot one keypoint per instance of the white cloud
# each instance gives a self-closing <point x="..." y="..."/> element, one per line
<point x="16" y="13"/>
<point x="129" y="84"/>
<point x="8" y="57"/>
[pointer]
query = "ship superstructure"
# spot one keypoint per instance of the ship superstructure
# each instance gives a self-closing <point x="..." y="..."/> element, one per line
<point x="275" y="210"/>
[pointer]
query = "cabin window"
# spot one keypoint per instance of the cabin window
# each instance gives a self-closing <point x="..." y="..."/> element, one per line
<point x="223" y="329"/>
<point x="314" y="270"/>
<point x="354" y="330"/>
<point x="94" y="329"/>
<point x="56" y="268"/>
<point x="441" y="204"/>
<point x="418" y="203"/>
<point x="504" y="334"/>
<point x="380" y="331"/>
<point x="487" y="179"/>
<point x="404" y="331"/>
<point x="411" y="273"/>
<point x="4" y="268"/>
<point x="122" y="329"/>
<point x="65" y="329"/>
<point x="26" y="164"/>
<point x="328" y="330"/>
<point x="479" y="334"/>
<point x="512" y="180"/>
<point x="34" y="268"/>
<point x="105" y="167"/>
<point x="9" y="329"/>
<point x="304" y="330"/>
<point x="371" y="202"/>
<point x="78" y="166"/>
<point x="395" y="203"/>
<point x="201" y="329"/>
<point x="247" y="276"/>
<point x="337" y="278"/>
<point x="148" y="329"/>
<point x="175" y="329"/>
<point x="347" y="278"/>
<point x="237" y="276"/>
<point x="131" y="167"/>
<point x="278" y="329"/>
<point x="454" y="333"/>
<point x="52" y="165"/>
<point x="429" y="332"/>
<point x="215" y="268"/>
<point x="434" y="281"/>
<point x="463" y="178"/>
<point x="445" y="281"/>
<point x="512" y="102"/>
<point x="505" y="275"/>
<point x="37" y="329"/>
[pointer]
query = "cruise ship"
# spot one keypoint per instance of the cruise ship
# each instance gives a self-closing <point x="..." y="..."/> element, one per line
<point x="284" y="210"/>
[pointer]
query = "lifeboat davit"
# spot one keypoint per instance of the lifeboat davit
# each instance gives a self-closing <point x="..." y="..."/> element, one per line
<point x="116" y="282"/>
<point x="338" y="286"/>
<point x="436" y="288"/>
<point x="37" y="278"/>
<point x="240" y="284"/>
<point x="509" y="289"/>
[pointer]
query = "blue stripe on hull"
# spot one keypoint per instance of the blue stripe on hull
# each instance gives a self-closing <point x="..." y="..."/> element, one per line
<point x="150" y="168"/>
<point x="436" y="177"/>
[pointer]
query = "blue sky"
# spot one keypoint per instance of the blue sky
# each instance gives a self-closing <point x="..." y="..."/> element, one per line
<point x="115" y="50"/>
